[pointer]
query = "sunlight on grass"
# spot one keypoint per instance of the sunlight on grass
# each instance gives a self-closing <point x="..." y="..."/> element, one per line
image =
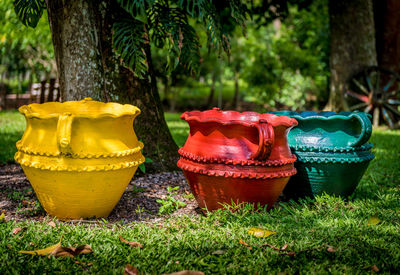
<point x="325" y="235"/>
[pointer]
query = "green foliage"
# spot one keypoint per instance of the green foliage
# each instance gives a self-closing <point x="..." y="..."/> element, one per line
<point x="129" y="40"/>
<point x="142" y="166"/>
<point x="170" y="204"/>
<point x="12" y="125"/>
<point x="24" y="52"/>
<point x="29" y="11"/>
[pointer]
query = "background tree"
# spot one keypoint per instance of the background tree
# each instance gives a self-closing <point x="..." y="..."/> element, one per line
<point x="85" y="34"/>
<point x="352" y="45"/>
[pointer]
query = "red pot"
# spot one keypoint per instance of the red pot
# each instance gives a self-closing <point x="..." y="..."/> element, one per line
<point x="240" y="157"/>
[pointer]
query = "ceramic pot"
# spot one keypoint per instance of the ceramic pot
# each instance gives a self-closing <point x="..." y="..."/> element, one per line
<point x="79" y="156"/>
<point x="236" y="157"/>
<point x="332" y="152"/>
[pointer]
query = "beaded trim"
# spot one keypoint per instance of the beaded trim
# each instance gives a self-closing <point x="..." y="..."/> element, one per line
<point x="30" y="151"/>
<point x="304" y="148"/>
<point x="334" y="159"/>
<point x="202" y="159"/>
<point x="52" y="167"/>
<point x="234" y="174"/>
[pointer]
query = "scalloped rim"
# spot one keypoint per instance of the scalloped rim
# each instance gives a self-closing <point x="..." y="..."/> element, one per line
<point x="93" y="168"/>
<point x="305" y="148"/>
<point x="30" y="151"/>
<point x="235" y="174"/>
<point x="126" y="110"/>
<point x="325" y="115"/>
<point x="245" y="162"/>
<point x="234" y="117"/>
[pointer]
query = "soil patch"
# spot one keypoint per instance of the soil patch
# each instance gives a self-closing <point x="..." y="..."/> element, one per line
<point x="138" y="203"/>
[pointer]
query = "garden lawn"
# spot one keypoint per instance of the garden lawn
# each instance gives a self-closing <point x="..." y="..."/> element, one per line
<point x="328" y="235"/>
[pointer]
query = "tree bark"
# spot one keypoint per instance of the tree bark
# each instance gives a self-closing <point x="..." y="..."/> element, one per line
<point x="352" y="45"/>
<point x="387" y="22"/>
<point x="89" y="67"/>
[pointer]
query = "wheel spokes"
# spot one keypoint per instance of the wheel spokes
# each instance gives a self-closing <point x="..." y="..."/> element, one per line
<point x="389" y="84"/>
<point x="362" y="98"/>
<point x="369" y="108"/>
<point x="396" y="112"/>
<point x="387" y="117"/>
<point x="360" y="86"/>
<point x="358" y="106"/>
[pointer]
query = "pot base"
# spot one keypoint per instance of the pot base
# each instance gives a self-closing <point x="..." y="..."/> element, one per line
<point x="75" y="195"/>
<point x="338" y="179"/>
<point x="213" y="191"/>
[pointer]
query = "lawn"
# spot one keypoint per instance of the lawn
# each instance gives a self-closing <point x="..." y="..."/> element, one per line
<point x="327" y="235"/>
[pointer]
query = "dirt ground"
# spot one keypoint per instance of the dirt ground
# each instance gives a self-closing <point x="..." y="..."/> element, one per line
<point x="138" y="203"/>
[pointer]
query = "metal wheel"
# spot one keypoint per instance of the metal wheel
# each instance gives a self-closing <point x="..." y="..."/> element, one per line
<point x="376" y="91"/>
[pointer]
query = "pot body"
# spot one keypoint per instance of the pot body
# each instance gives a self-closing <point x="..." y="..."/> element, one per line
<point x="231" y="157"/>
<point x="332" y="152"/>
<point x="79" y="156"/>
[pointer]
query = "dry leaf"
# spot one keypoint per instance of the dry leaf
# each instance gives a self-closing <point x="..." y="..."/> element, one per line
<point x="291" y="254"/>
<point x="284" y="247"/>
<point x="245" y="244"/>
<point x="374" y="220"/>
<point x="260" y="233"/>
<point x="272" y="246"/>
<point x="331" y="249"/>
<point x="44" y="251"/>
<point x="133" y="244"/>
<point x="130" y="270"/>
<point x="52" y="224"/>
<point x="186" y="272"/>
<point x="71" y="251"/>
<point x="218" y="252"/>
<point x="16" y="230"/>
<point x="374" y="268"/>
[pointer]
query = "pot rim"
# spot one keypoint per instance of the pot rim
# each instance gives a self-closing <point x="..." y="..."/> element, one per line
<point x="86" y="108"/>
<point x="324" y="115"/>
<point x="233" y="117"/>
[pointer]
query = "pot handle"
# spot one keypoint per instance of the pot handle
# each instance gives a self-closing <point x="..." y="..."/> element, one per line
<point x="266" y="140"/>
<point x="366" y="128"/>
<point x="64" y="133"/>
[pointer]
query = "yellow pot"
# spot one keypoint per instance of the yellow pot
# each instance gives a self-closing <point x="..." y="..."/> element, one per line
<point x="79" y="156"/>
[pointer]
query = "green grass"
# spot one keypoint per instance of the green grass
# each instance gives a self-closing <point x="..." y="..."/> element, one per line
<point x="189" y="242"/>
<point x="12" y="126"/>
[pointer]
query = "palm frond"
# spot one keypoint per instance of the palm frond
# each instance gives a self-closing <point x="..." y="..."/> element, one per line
<point x="29" y="12"/>
<point x="128" y="41"/>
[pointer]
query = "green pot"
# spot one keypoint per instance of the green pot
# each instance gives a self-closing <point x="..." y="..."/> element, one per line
<point x="332" y="152"/>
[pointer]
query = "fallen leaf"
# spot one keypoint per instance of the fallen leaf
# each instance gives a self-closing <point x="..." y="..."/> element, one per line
<point x="43" y="251"/>
<point x="16" y="230"/>
<point x="374" y="220"/>
<point x="133" y="244"/>
<point x="284" y="247"/>
<point x="2" y="216"/>
<point x="130" y="270"/>
<point x="177" y="262"/>
<point x="186" y="272"/>
<point x="291" y="254"/>
<point x="218" y="252"/>
<point x="331" y="249"/>
<point x="52" y="224"/>
<point x="71" y="251"/>
<point x="245" y="244"/>
<point x="374" y="268"/>
<point x="260" y="233"/>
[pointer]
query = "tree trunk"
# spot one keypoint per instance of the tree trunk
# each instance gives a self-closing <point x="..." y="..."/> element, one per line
<point x="52" y="84"/>
<point x="387" y="22"/>
<point x="43" y="91"/>
<point x="352" y="45"/>
<point x="88" y="67"/>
